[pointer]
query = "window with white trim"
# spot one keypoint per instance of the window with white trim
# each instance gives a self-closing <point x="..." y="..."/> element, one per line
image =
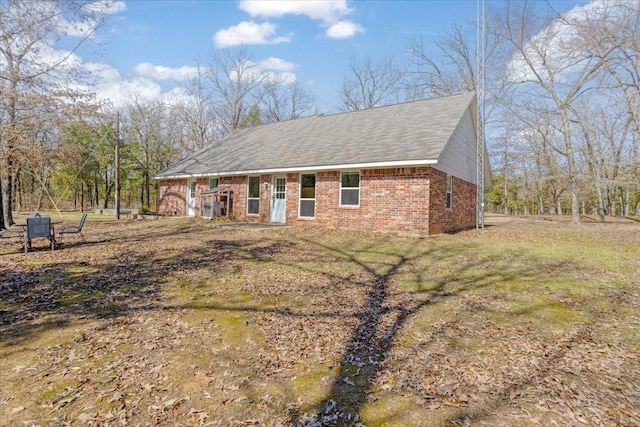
<point x="307" y="196"/>
<point x="253" y="196"/>
<point x="213" y="183"/>
<point x="449" y="191"/>
<point x="350" y="189"/>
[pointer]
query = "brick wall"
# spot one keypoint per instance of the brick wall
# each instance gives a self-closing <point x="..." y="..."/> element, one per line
<point x="463" y="205"/>
<point x="239" y="189"/>
<point x="393" y="199"/>
<point x="293" y="197"/>
<point x="411" y="200"/>
<point x="173" y="197"/>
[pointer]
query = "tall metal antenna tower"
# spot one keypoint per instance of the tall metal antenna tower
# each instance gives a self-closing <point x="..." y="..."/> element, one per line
<point x="480" y="111"/>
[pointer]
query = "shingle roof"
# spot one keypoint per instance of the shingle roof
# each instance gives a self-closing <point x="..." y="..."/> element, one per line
<point x="401" y="134"/>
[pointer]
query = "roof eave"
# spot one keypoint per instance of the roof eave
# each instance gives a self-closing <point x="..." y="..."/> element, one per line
<point x="315" y="168"/>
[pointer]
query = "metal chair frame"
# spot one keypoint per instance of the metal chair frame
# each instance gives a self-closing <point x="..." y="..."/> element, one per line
<point x="75" y="229"/>
<point x="39" y="226"/>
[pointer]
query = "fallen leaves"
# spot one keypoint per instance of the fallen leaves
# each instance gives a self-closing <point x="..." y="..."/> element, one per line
<point x="150" y="326"/>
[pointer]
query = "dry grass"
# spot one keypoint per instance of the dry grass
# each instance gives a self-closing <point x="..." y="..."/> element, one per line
<point x="180" y="322"/>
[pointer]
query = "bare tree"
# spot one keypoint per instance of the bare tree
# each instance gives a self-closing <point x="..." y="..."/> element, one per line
<point x="538" y="135"/>
<point x="612" y="32"/>
<point x="31" y="68"/>
<point x="452" y="71"/>
<point x="548" y="65"/>
<point x="146" y="141"/>
<point x="578" y="72"/>
<point x="194" y="115"/>
<point x="238" y="85"/>
<point x="371" y="83"/>
<point x="285" y="101"/>
<point x="451" y="64"/>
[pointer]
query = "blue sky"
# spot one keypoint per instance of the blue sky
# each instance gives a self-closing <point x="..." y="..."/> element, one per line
<point x="149" y="45"/>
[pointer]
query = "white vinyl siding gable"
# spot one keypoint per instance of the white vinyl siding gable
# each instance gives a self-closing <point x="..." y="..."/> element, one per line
<point x="459" y="157"/>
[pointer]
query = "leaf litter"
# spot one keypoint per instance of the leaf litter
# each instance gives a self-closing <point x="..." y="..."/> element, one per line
<point x="178" y="322"/>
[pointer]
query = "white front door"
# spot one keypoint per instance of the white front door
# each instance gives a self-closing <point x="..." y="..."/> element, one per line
<point x="278" y="198"/>
<point x="191" y="197"/>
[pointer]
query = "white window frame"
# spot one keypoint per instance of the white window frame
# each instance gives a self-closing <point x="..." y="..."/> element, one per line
<point x="350" y="189"/>
<point x="253" y="198"/>
<point x="300" y="198"/>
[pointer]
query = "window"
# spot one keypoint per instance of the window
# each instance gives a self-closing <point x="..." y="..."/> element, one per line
<point x="449" y="186"/>
<point x="213" y="183"/>
<point x="253" y="196"/>
<point x="350" y="189"/>
<point x="308" y="196"/>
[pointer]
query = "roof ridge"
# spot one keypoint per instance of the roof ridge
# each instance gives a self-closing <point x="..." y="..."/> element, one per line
<point x="378" y="107"/>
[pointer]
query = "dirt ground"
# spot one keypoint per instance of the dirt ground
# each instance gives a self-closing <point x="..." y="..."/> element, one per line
<point x="530" y="321"/>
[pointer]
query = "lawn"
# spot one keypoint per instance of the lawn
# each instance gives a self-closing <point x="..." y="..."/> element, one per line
<point x="183" y="322"/>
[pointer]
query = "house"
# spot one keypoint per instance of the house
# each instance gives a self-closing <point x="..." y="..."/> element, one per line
<point x="409" y="167"/>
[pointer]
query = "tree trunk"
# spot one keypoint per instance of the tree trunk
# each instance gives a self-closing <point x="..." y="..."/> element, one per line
<point x="571" y="166"/>
<point x="540" y="199"/>
<point x="621" y="201"/>
<point x="612" y="201"/>
<point x="7" y="184"/>
<point x="96" y="194"/>
<point x="1" y="208"/>
<point x="594" y="168"/>
<point x="107" y="192"/>
<point x="147" y="189"/>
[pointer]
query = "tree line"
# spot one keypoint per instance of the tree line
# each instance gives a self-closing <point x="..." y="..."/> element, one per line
<point x="560" y="97"/>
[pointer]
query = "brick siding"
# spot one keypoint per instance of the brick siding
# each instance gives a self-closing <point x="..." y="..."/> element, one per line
<point x="462" y="214"/>
<point x="173" y="197"/>
<point x="409" y="200"/>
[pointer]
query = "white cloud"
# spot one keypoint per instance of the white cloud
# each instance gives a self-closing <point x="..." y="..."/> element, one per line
<point x="87" y="27"/>
<point x="76" y="29"/>
<point x="178" y="96"/>
<point x="556" y="48"/>
<point x="272" y="69"/>
<point x="110" y="86"/>
<point x="47" y="62"/>
<point x="330" y="13"/>
<point x="344" y="30"/>
<point x="107" y="7"/>
<point x="277" y="70"/>
<point x="44" y="56"/>
<point x="283" y="78"/>
<point x="248" y="33"/>
<point x="327" y="11"/>
<point x="160" y="72"/>
<point x="272" y="63"/>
